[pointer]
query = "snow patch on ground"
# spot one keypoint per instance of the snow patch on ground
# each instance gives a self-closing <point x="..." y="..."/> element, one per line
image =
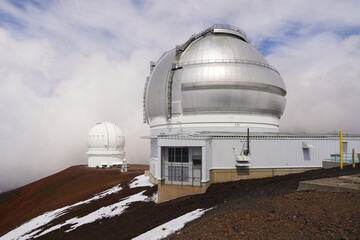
<point x="26" y="230"/>
<point x="141" y="181"/>
<point x="154" y="197"/>
<point x="104" y="212"/>
<point x="172" y="226"/>
<point x="33" y="228"/>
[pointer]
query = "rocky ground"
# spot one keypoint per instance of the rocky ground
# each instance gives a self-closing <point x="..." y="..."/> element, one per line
<point x="269" y="208"/>
<point x="273" y="209"/>
<point x="300" y="215"/>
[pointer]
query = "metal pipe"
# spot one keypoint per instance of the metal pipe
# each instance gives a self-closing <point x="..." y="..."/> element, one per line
<point x="248" y="143"/>
<point x="341" y="150"/>
<point x="353" y="157"/>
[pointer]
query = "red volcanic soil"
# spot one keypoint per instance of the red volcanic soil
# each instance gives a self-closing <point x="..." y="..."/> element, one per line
<point x="272" y="208"/>
<point x="69" y="186"/>
<point x="269" y="208"/>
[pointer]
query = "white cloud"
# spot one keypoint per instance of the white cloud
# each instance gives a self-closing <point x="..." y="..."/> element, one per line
<point x="49" y="104"/>
<point x="321" y="74"/>
<point x="70" y="64"/>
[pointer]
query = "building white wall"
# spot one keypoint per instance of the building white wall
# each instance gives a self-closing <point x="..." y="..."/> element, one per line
<point x="153" y="164"/>
<point x="279" y="151"/>
<point x="107" y="160"/>
<point x="268" y="151"/>
<point x="207" y="161"/>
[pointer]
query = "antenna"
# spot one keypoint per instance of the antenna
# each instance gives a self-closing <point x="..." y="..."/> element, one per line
<point x="247" y="151"/>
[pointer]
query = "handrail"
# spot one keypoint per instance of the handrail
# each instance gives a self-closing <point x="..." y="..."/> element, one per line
<point x="347" y="157"/>
<point x="230" y="27"/>
<point x="193" y="37"/>
<point x="182" y="47"/>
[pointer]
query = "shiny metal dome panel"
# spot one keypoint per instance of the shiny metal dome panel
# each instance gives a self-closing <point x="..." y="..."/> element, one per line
<point x="215" y="72"/>
<point x="232" y="101"/>
<point x="155" y="96"/>
<point x="221" y="47"/>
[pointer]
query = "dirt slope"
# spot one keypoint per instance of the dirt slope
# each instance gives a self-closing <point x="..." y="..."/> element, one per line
<point x="269" y="208"/>
<point x="247" y="209"/>
<point x="63" y="188"/>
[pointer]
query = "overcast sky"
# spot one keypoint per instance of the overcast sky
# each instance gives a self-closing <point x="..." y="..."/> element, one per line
<point x="66" y="65"/>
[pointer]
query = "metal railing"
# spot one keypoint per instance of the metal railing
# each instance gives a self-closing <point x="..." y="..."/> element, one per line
<point x="230" y="27"/>
<point x="182" y="47"/>
<point x="347" y="157"/>
<point x="181" y="176"/>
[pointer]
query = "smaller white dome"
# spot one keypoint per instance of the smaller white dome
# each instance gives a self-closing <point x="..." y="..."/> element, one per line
<point x="106" y="144"/>
<point x="107" y="136"/>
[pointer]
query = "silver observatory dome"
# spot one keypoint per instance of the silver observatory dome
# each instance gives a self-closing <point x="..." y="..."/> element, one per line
<point x="215" y="82"/>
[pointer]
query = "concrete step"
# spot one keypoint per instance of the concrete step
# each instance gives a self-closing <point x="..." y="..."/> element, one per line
<point x="337" y="184"/>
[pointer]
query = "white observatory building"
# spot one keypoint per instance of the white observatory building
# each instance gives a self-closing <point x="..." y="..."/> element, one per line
<point x="106" y="144"/>
<point x="200" y="101"/>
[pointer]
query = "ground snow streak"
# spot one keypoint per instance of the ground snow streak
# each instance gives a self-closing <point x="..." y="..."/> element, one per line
<point x="172" y="226"/>
<point x="141" y="181"/>
<point x="108" y="211"/>
<point x="26" y="230"/>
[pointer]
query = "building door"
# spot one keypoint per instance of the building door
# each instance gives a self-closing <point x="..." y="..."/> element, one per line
<point x="196" y="158"/>
<point x="181" y="166"/>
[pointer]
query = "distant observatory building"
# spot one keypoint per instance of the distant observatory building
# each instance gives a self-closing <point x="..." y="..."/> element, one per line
<point x="213" y="105"/>
<point x="106" y="144"/>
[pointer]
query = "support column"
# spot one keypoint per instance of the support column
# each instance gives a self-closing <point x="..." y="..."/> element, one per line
<point x="203" y="163"/>
<point x="353" y="157"/>
<point x="341" y="150"/>
<point x="158" y="165"/>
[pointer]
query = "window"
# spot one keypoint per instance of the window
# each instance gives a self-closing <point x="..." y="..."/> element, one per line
<point x="196" y="159"/>
<point x="345" y="147"/>
<point x="306" y="153"/>
<point x="180" y="155"/>
<point x="181" y="165"/>
<point x="171" y="154"/>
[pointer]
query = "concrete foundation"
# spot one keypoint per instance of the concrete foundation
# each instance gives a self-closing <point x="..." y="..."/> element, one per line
<point x="332" y="164"/>
<point x="152" y="179"/>
<point x="169" y="192"/>
<point x="226" y="175"/>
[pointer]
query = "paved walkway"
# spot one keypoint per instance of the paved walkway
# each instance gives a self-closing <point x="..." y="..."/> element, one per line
<point x="336" y="184"/>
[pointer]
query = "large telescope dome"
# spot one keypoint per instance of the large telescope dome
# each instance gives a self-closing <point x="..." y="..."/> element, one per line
<point x="215" y="82"/>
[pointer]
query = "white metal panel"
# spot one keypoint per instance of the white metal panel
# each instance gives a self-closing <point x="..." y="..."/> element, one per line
<point x="207" y="161"/>
<point x="278" y="152"/>
<point x="181" y="142"/>
<point x="155" y="95"/>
